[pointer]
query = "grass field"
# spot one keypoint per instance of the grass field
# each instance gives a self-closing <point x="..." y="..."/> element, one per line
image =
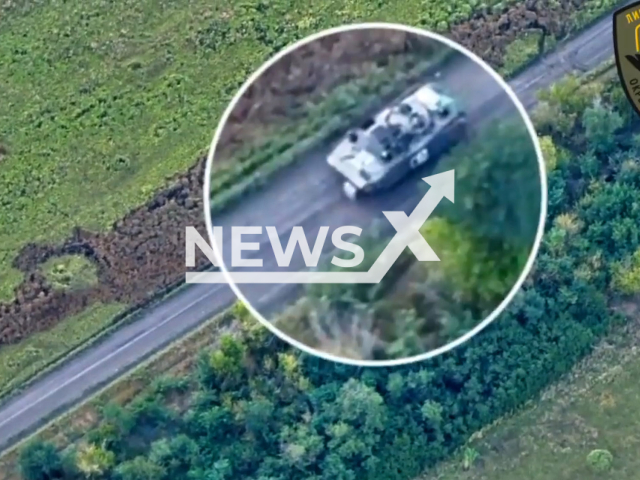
<point x="97" y="126"/>
<point x="96" y="140"/>
<point x="131" y="101"/>
<point x="20" y="362"/>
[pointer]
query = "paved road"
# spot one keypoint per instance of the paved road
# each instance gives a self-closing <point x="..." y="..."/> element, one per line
<point x="303" y="195"/>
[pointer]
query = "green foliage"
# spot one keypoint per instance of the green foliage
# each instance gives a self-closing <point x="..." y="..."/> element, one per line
<point x="105" y="133"/>
<point x="260" y="410"/>
<point x="174" y="455"/>
<point x="480" y="272"/>
<point x="117" y="424"/>
<point x="469" y="456"/>
<point x="432" y="411"/>
<point x="140" y="468"/>
<point x="498" y="188"/>
<point x="21" y="361"/>
<point x="227" y="360"/>
<point x="561" y="106"/>
<point x="94" y="461"/>
<point x="549" y="152"/>
<point x="71" y="272"/>
<point x="521" y="51"/>
<point x="570" y="95"/>
<point x="626" y="275"/>
<point x="483" y="240"/>
<point x="600" y="460"/>
<point x="601" y="124"/>
<point x="40" y="460"/>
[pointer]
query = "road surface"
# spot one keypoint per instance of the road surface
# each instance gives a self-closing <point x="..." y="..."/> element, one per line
<point x="302" y="195"/>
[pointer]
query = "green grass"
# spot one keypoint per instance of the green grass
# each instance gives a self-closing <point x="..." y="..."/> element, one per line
<point x="102" y="102"/>
<point x="70" y="272"/>
<point x="21" y="361"/>
<point x="594" y="409"/>
<point x="520" y="52"/>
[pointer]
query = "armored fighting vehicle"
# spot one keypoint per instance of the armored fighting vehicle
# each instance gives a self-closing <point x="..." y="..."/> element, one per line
<point x="398" y="140"/>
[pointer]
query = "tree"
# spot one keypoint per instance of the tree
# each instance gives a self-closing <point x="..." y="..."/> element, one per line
<point x="550" y="120"/>
<point x="175" y="454"/>
<point x="40" y="460"/>
<point x="620" y="103"/>
<point x="361" y="406"/>
<point x="116" y="425"/>
<point x="140" y="468"/>
<point x="549" y="152"/>
<point x="228" y="359"/>
<point x="476" y="271"/>
<point x="626" y="275"/>
<point x="601" y="124"/>
<point x="253" y="332"/>
<point x="571" y="94"/>
<point x="258" y="417"/>
<point x="562" y="104"/>
<point x="94" y="461"/>
<point x="497" y="185"/>
<point x="301" y="446"/>
<point x="431" y="411"/>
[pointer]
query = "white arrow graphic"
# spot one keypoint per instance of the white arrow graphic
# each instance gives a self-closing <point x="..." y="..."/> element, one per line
<point x="407" y="235"/>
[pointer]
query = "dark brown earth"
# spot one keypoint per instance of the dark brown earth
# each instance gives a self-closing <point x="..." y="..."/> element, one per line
<point x="299" y="77"/>
<point x="143" y="254"/>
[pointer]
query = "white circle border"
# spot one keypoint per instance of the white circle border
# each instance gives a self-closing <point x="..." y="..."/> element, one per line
<point x="532" y="255"/>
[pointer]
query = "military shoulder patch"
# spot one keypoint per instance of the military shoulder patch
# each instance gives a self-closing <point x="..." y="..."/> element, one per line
<point x="626" y="45"/>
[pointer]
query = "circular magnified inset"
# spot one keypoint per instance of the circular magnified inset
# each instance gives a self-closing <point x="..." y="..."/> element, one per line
<point x="375" y="195"/>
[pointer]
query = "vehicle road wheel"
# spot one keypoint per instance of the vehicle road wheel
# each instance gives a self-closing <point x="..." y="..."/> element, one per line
<point x="350" y="191"/>
<point x="420" y="159"/>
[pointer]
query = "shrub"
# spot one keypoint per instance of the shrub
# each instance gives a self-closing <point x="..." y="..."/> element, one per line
<point x="600" y="460"/>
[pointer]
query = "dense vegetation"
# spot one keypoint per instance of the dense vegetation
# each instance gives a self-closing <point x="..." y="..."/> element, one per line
<point x="94" y="150"/>
<point x="483" y="240"/>
<point x="255" y="409"/>
<point x="582" y="428"/>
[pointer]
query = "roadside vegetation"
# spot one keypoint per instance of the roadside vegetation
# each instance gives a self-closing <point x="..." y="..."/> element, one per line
<point x="483" y="240"/>
<point x="21" y="361"/>
<point x="93" y="166"/>
<point x="248" y="406"/>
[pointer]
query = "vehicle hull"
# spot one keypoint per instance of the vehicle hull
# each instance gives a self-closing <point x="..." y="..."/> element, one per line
<point x="450" y="135"/>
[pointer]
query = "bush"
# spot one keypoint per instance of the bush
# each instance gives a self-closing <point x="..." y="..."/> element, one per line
<point x="40" y="460"/>
<point x="600" y="460"/>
